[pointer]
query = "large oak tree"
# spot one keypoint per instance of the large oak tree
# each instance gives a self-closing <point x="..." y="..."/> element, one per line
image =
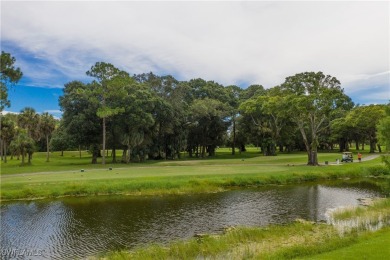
<point x="313" y="100"/>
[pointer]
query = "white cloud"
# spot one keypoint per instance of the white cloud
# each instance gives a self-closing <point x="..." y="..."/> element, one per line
<point x="53" y="111"/>
<point x="230" y="42"/>
<point x="8" y="112"/>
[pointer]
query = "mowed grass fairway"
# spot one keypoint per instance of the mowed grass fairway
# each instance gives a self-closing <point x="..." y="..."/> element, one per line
<point x="62" y="176"/>
<point x="72" y="161"/>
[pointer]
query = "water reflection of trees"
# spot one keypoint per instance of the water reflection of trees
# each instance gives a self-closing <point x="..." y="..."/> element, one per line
<point x="78" y="227"/>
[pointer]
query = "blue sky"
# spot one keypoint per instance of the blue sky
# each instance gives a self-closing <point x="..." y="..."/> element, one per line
<point x="240" y="43"/>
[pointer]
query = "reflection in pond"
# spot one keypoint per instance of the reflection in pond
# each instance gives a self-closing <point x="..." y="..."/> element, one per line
<point x="79" y="227"/>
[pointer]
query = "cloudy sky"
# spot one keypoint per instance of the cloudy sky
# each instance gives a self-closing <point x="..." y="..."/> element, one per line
<point x="239" y="42"/>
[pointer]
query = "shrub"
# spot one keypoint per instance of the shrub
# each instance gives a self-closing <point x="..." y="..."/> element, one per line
<point x="378" y="170"/>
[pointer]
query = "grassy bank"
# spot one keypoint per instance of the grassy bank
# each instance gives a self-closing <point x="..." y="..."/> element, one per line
<point x="297" y="240"/>
<point x="177" y="177"/>
<point x="367" y="246"/>
<point x="377" y="209"/>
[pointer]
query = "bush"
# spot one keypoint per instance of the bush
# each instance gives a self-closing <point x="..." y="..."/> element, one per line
<point x="386" y="160"/>
<point x="378" y="170"/>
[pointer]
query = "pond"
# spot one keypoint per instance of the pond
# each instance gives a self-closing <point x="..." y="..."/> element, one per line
<point x="85" y="226"/>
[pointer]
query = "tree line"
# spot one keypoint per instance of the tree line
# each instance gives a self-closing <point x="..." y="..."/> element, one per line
<point x="22" y="134"/>
<point x="147" y="116"/>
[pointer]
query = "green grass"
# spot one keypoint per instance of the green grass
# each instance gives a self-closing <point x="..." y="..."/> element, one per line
<point x="369" y="246"/>
<point x="71" y="161"/>
<point x="49" y="180"/>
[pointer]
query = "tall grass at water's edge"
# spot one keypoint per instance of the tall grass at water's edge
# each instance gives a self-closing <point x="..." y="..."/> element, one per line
<point x="238" y="243"/>
<point x="373" y="217"/>
<point x="296" y="240"/>
<point x="376" y="207"/>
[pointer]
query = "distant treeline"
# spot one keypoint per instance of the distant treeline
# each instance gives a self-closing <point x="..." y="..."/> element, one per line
<point x="159" y="117"/>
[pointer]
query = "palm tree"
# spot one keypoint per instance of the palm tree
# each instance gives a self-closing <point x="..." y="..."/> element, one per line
<point x="47" y="125"/>
<point x="23" y="144"/>
<point x="28" y="119"/>
<point x="7" y="133"/>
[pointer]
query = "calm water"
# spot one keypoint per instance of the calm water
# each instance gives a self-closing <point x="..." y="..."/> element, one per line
<point x="80" y="227"/>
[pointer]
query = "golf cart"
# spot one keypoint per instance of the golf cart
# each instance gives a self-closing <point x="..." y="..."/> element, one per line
<point x="347" y="157"/>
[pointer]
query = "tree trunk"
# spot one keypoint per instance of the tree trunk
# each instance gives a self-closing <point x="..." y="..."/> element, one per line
<point x="1" y="149"/>
<point x="104" y="141"/>
<point x="211" y="150"/>
<point x="203" y="151"/>
<point x="234" y="136"/>
<point x="47" y="148"/>
<point x="94" y="158"/>
<point x="29" y="158"/>
<point x="357" y="145"/>
<point x="62" y="153"/>
<point x="95" y="153"/>
<point x="307" y="145"/>
<point x="5" y="151"/>
<point x="309" y="157"/>
<point x="343" y="145"/>
<point x="314" y="158"/>
<point x="372" y="145"/>
<point x="80" y="151"/>
<point x="128" y="158"/>
<point x="113" y="154"/>
<point x="124" y="155"/>
<point x="23" y="155"/>
<point x="273" y="149"/>
<point x="313" y="150"/>
<point x="378" y="145"/>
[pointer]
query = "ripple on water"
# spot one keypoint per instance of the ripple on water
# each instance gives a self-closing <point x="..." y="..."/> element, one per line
<point x="80" y="227"/>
